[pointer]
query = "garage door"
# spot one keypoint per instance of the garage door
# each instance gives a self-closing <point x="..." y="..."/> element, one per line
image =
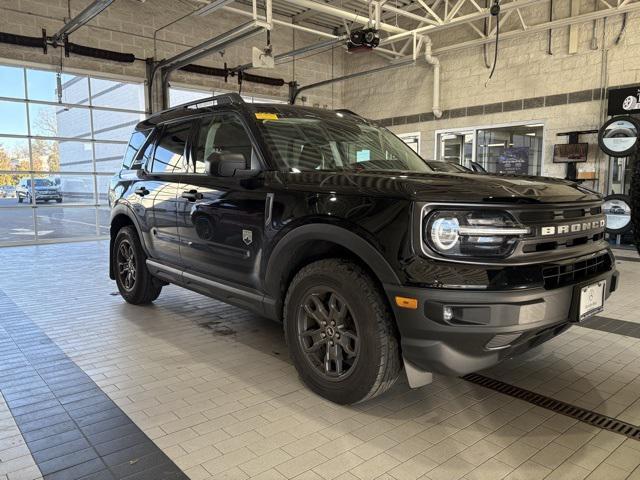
<point x="61" y="138"/>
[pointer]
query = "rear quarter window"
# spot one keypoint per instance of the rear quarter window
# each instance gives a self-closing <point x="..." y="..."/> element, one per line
<point x="136" y="142"/>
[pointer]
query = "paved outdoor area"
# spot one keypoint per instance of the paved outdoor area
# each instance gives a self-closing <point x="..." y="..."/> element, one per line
<point x="212" y="388"/>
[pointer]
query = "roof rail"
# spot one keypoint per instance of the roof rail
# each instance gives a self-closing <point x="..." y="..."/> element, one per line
<point x="346" y="110"/>
<point x="223" y="99"/>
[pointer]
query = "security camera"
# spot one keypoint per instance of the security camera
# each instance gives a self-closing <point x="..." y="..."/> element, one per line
<point x="365" y="39"/>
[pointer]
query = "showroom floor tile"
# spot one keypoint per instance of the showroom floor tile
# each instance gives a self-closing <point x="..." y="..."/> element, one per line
<point x="212" y="387"/>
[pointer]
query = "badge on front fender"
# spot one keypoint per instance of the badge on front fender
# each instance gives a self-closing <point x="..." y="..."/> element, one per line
<point x="247" y="237"/>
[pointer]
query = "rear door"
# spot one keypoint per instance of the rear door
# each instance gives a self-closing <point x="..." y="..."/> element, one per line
<point x="158" y="190"/>
<point x="221" y="219"/>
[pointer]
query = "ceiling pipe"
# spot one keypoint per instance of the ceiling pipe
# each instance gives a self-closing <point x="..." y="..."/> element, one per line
<point x="340" y="13"/>
<point x="435" y="62"/>
<point x="282" y="23"/>
<point x="93" y="9"/>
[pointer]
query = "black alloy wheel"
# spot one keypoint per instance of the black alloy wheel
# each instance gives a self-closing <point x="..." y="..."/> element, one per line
<point x="126" y="263"/>
<point x="328" y="333"/>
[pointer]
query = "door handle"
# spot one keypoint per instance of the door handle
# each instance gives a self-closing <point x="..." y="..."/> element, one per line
<point x="142" y="191"/>
<point x="191" y="195"/>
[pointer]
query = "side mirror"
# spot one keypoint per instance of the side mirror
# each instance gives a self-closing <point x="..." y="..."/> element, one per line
<point x="225" y="164"/>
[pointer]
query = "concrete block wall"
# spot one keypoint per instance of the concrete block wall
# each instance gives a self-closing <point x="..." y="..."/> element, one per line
<point x="131" y="25"/>
<point x="524" y="71"/>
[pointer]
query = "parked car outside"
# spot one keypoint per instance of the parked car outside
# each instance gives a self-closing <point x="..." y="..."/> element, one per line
<point x="43" y="188"/>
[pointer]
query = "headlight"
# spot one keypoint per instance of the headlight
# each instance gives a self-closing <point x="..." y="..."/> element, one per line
<point x="472" y="233"/>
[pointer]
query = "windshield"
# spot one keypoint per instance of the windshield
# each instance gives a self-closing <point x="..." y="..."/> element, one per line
<point x="42" y="182"/>
<point x="334" y="141"/>
<point x="439" y="166"/>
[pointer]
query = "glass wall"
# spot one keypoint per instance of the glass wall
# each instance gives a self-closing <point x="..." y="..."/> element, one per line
<point x="62" y="137"/>
<point x="179" y="95"/>
<point x="515" y="149"/>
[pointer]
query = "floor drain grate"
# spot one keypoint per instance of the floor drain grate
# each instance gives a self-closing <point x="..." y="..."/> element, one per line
<point x="587" y="416"/>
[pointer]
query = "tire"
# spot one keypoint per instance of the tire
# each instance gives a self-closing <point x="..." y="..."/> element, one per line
<point x="58" y="200"/>
<point x="635" y="202"/>
<point x="142" y="289"/>
<point x="20" y="199"/>
<point x="375" y="363"/>
<point x="620" y="231"/>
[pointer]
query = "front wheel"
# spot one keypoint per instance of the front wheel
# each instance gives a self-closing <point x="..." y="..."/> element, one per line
<point x="340" y="332"/>
<point x="135" y="282"/>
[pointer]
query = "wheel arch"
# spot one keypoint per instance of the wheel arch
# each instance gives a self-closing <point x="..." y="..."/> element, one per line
<point x="309" y="243"/>
<point x="121" y="216"/>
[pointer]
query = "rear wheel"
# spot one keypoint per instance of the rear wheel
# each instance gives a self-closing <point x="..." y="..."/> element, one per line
<point x="135" y="282"/>
<point x="340" y="332"/>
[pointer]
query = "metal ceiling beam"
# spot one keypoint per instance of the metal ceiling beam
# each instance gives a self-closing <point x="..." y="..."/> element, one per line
<point x="282" y="57"/>
<point x="451" y="21"/>
<point x="340" y="13"/>
<point x="215" y="44"/>
<point x="630" y="6"/>
<point x="93" y="9"/>
<point x="401" y="62"/>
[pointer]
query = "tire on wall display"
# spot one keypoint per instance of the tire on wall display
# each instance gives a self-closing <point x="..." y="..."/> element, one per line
<point x="617" y="209"/>
<point x="635" y="202"/>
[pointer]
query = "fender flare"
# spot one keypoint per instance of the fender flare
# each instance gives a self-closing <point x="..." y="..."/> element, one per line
<point x="357" y="245"/>
<point x="123" y="209"/>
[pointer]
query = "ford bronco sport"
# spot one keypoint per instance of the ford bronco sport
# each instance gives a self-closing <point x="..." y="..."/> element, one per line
<point x="370" y="258"/>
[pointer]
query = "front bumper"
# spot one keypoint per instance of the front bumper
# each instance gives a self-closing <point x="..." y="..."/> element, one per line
<point x="514" y="320"/>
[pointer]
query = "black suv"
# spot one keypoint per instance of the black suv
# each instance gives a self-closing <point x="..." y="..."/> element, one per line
<point x="371" y="259"/>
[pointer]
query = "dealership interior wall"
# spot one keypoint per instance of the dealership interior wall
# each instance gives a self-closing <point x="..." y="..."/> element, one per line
<point x="193" y="388"/>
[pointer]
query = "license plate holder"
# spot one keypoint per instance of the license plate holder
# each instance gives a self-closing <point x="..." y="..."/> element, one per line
<point x="591" y="299"/>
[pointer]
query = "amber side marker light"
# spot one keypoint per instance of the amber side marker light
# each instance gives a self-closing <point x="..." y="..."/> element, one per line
<point x="406" y="302"/>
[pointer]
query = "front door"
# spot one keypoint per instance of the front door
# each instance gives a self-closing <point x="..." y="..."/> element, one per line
<point x="221" y="219"/>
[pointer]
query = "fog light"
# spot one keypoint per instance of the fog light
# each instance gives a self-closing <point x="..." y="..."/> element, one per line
<point x="447" y="313"/>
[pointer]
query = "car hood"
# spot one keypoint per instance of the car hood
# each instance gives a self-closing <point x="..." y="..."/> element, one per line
<point x="440" y="187"/>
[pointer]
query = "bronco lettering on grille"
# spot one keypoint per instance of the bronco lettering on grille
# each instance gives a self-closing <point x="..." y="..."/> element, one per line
<point x="572" y="227"/>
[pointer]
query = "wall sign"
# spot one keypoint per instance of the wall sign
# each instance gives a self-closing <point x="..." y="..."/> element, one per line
<point x="618" y="136"/>
<point x="624" y="101"/>
<point x="514" y="161"/>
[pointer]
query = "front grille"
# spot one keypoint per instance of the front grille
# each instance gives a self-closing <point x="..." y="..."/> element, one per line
<point x="560" y="220"/>
<point x="555" y="276"/>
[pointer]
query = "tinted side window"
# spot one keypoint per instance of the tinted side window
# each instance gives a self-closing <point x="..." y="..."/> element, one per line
<point x="222" y="133"/>
<point x="135" y="143"/>
<point x="169" y="154"/>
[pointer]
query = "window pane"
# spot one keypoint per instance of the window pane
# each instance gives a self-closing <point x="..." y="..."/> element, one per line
<point x="108" y="125"/>
<point x="513" y="150"/>
<point x="14" y="154"/>
<point x="64" y="222"/>
<point x="178" y="96"/>
<point x="76" y="188"/>
<point x="61" y="156"/>
<point x="9" y="182"/>
<point x="103" y="189"/>
<point x="109" y="156"/>
<point x="11" y="82"/>
<point x="57" y="121"/>
<point x="38" y="189"/>
<point x="16" y="225"/>
<point x="169" y="156"/>
<point x="43" y="85"/>
<point x="135" y="144"/>
<point x="104" y="220"/>
<point x="13" y="118"/>
<point x="222" y="134"/>
<point x="110" y="93"/>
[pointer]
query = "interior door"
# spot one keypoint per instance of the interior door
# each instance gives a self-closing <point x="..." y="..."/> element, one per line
<point x="221" y="219"/>
<point x="161" y="185"/>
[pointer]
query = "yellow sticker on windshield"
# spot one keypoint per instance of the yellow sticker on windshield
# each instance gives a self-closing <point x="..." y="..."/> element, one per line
<point x="266" y="116"/>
